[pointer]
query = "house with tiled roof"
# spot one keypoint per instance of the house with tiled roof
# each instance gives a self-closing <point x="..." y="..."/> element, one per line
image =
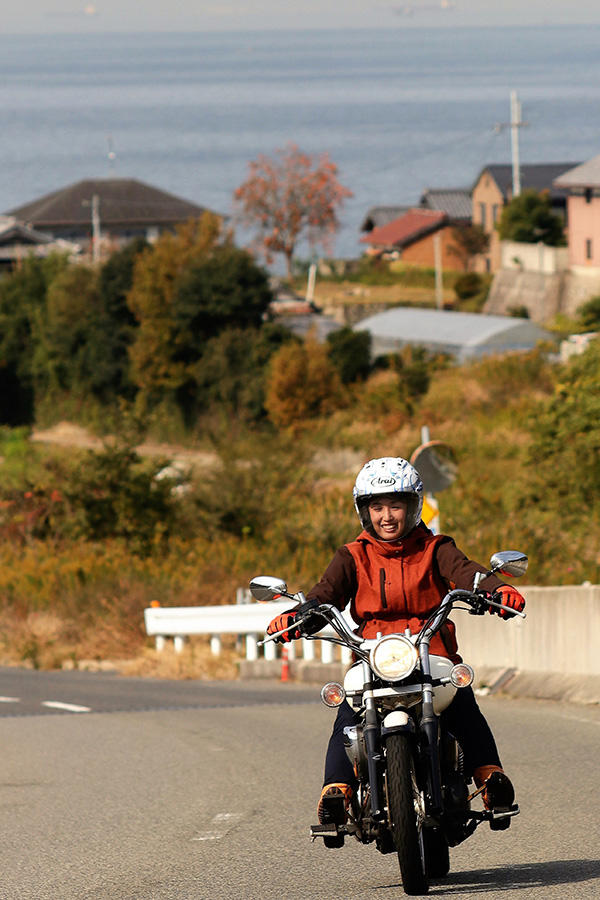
<point x="493" y="190"/>
<point x="455" y="202"/>
<point x="377" y="216"/>
<point x="412" y="238"/>
<point x="582" y="186"/>
<point x="121" y="208"/>
<point x="18" y="241"/>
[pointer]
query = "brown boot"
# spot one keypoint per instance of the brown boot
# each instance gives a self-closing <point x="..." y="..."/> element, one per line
<point x="498" y="793"/>
<point x="333" y="810"/>
<point x="333" y="803"/>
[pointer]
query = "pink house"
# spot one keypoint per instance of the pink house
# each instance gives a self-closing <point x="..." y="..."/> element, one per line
<point x="583" y="205"/>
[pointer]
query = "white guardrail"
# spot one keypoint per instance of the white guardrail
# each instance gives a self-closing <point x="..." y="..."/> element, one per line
<point x="561" y="633"/>
<point x="246" y="620"/>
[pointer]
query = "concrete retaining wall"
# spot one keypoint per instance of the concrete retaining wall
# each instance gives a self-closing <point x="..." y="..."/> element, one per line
<point x="544" y="295"/>
<point x="560" y="634"/>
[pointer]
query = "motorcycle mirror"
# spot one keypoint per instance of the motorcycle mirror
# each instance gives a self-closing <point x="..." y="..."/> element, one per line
<point x="509" y="562"/>
<point x="264" y="588"/>
<point x="436" y="464"/>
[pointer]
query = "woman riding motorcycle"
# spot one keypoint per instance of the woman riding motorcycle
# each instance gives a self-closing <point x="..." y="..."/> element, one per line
<point x="395" y="574"/>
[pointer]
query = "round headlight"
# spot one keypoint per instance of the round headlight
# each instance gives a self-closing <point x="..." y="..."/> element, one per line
<point x="394" y="657"/>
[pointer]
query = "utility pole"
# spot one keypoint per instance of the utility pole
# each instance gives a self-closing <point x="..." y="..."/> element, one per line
<point x="515" y="123"/>
<point x="439" y="284"/>
<point x="310" y="285"/>
<point x="95" y="228"/>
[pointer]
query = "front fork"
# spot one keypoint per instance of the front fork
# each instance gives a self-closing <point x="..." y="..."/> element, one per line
<point x="429" y="738"/>
<point x="372" y="738"/>
<point x="430" y="734"/>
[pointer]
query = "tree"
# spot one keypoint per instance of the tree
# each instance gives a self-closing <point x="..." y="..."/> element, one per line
<point x="155" y="278"/>
<point x="68" y="354"/>
<point x="186" y="290"/>
<point x="529" y="219"/>
<point x="350" y="353"/>
<point x="230" y="376"/>
<point x="565" y="453"/>
<point x="290" y="196"/>
<point x="302" y="384"/>
<point x="22" y="304"/>
<point x="468" y="241"/>
<point x="114" y="284"/>
<point x="222" y="290"/>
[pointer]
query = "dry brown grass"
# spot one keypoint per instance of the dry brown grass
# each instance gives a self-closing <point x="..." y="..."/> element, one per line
<point x="195" y="662"/>
<point x="42" y="640"/>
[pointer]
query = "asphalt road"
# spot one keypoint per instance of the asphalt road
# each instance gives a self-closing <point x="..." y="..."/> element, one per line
<point x="195" y="791"/>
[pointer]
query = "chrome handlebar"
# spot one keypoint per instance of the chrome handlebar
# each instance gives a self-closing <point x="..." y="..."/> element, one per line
<point x="334" y="617"/>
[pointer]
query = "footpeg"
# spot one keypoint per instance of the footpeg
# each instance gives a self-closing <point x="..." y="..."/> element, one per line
<point x="500" y="819"/>
<point x="332" y="834"/>
<point x="322" y="830"/>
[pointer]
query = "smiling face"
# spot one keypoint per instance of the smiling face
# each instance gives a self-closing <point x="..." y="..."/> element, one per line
<point x="388" y="517"/>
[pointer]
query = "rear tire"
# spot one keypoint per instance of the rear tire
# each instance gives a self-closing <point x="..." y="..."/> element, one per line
<point x="405" y="809"/>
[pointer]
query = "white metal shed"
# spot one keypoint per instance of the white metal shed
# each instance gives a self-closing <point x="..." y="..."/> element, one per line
<point x="463" y="335"/>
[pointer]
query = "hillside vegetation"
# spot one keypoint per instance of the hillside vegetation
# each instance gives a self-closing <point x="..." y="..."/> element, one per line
<point x="270" y="434"/>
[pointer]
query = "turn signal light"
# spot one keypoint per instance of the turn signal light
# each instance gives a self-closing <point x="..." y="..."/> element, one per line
<point x="333" y="694"/>
<point x="462" y="675"/>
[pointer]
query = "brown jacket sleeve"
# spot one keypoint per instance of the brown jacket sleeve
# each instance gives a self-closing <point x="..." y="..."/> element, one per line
<point x="338" y="584"/>
<point x="457" y="568"/>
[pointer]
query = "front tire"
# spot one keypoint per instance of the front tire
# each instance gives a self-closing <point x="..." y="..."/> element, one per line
<point x="405" y="809"/>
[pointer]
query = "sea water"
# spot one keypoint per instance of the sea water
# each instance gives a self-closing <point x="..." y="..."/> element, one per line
<point x="398" y="110"/>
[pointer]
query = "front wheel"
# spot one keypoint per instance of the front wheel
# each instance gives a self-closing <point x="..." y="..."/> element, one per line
<point x="405" y="804"/>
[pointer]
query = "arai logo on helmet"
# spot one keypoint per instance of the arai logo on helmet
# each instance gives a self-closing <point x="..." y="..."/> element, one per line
<point x="386" y="482"/>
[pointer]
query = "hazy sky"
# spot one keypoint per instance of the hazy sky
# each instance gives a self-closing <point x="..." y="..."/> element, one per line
<point x="181" y="15"/>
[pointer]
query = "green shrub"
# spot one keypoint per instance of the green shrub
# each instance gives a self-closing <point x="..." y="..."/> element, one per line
<point x="350" y="353"/>
<point x="589" y="314"/>
<point x="113" y="493"/>
<point x="468" y="285"/>
<point x="518" y="312"/>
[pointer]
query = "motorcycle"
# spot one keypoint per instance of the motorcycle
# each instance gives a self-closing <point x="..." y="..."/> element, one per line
<point x="414" y="797"/>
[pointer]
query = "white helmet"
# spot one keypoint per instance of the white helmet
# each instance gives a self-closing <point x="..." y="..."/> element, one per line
<point x="388" y="475"/>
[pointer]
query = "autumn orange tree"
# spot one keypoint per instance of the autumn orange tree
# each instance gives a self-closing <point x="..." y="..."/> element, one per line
<point x="289" y="196"/>
<point x="302" y="384"/>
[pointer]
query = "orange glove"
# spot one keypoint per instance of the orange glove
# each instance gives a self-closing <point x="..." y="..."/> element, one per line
<point x="285" y="620"/>
<point x="511" y="599"/>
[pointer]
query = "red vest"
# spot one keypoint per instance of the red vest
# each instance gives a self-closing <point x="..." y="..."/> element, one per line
<point x="399" y="586"/>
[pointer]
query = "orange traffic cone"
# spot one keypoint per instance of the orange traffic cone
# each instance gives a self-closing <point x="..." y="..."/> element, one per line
<point x="285" y="666"/>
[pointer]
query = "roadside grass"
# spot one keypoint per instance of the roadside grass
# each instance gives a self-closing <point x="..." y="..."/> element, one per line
<point x="194" y="662"/>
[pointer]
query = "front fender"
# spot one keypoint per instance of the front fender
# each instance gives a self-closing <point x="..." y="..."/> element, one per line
<point x="396" y="722"/>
